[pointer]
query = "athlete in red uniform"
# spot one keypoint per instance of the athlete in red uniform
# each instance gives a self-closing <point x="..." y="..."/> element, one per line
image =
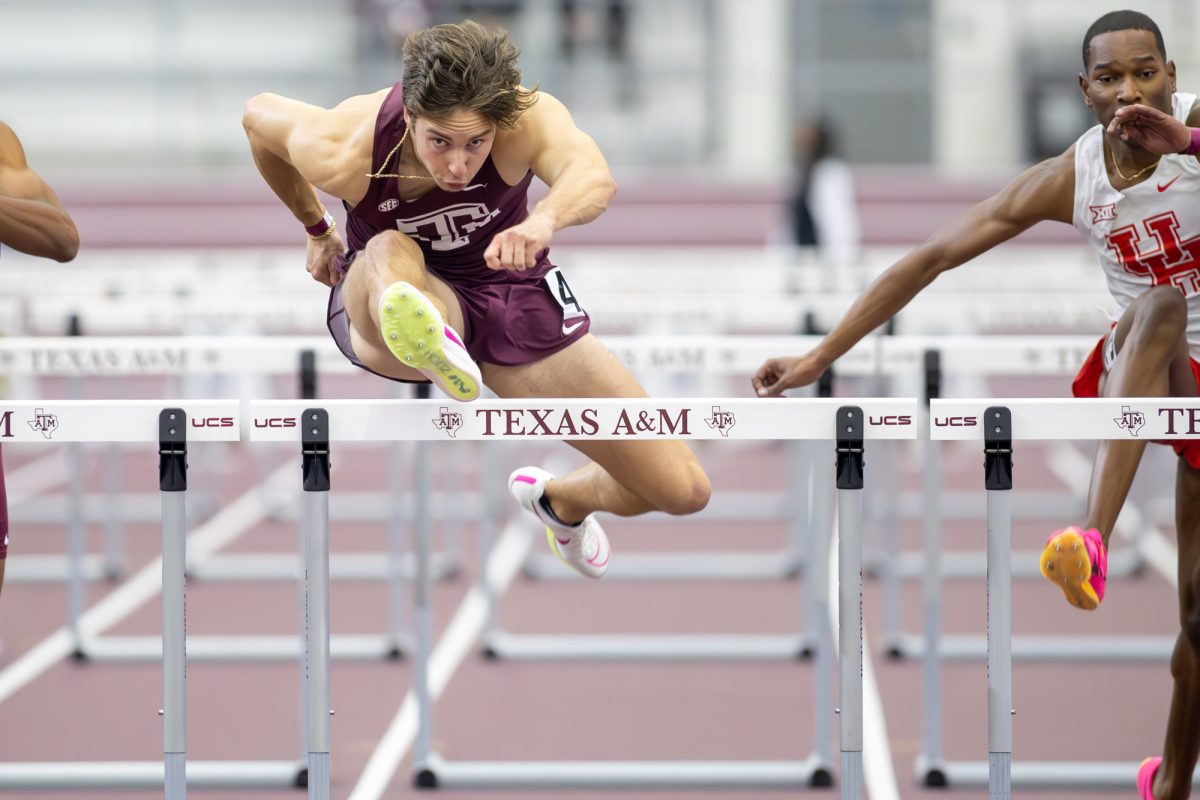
<point x="33" y="221"/>
<point x="447" y="275"/>
<point x="1132" y="185"/>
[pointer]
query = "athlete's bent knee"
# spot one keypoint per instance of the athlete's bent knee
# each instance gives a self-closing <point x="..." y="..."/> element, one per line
<point x="393" y="248"/>
<point x="1164" y="310"/>
<point x="688" y="493"/>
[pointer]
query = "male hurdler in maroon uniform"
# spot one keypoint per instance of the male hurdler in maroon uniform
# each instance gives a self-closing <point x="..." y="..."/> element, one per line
<point x="447" y="275"/>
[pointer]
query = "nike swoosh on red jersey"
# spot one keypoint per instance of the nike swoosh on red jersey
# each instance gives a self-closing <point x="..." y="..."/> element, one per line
<point x="1162" y="187"/>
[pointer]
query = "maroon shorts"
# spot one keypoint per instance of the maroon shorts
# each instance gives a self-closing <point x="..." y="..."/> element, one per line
<point x="513" y="320"/>
<point x="1087" y="384"/>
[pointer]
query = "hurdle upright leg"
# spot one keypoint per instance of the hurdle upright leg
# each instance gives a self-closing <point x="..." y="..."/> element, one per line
<point x="172" y="483"/>
<point x="998" y="481"/>
<point x="850" y="633"/>
<point x="816" y="589"/>
<point x="315" y="450"/>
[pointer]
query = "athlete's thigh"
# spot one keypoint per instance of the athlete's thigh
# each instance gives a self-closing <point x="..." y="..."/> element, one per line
<point x="365" y="336"/>
<point x="400" y="260"/>
<point x="586" y="368"/>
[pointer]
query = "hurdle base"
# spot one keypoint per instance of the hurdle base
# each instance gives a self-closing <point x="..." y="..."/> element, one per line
<point x="1045" y="774"/>
<point x="148" y="775"/>
<point x="500" y="645"/>
<point x="342" y="566"/>
<point x="1039" y="648"/>
<point x="437" y="773"/>
<point x="778" y="566"/>
<point x="343" y="647"/>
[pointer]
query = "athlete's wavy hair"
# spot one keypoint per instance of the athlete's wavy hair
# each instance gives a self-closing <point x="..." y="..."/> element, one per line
<point x="448" y="66"/>
<point x="1121" y="21"/>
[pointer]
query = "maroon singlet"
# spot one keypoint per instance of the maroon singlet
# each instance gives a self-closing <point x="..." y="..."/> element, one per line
<point x="510" y="318"/>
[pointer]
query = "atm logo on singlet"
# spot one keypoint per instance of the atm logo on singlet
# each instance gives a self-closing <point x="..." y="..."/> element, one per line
<point x="448" y="228"/>
<point x="1171" y="262"/>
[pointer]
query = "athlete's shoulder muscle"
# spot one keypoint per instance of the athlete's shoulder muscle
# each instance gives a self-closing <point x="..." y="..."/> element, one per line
<point x="1045" y="191"/>
<point x="12" y="155"/>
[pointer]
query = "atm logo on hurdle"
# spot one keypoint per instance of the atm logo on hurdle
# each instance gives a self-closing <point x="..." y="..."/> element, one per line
<point x="448" y="421"/>
<point x="723" y="421"/>
<point x="43" y="423"/>
<point x="1134" y="421"/>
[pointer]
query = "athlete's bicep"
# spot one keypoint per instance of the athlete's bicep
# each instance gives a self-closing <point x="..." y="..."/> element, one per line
<point x="17" y="178"/>
<point x="1043" y="192"/>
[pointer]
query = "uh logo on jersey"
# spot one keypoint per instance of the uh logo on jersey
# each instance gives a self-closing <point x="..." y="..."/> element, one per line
<point x="448" y="228"/>
<point x="1172" y="261"/>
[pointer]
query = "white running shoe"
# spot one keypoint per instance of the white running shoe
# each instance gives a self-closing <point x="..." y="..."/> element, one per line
<point x="583" y="547"/>
<point x="416" y="334"/>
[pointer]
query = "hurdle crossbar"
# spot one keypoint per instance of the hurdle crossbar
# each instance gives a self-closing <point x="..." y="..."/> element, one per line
<point x="610" y="419"/>
<point x="999" y="423"/>
<point x="172" y="425"/>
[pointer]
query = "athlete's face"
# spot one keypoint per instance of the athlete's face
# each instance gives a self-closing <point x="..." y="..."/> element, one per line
<point x="452" y="147"/>
<point x="1125" y="68"/>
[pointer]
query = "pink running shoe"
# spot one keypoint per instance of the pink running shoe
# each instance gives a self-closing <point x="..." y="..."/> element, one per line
<point x="583" y="547"/>
<point x="1077" y="561"/>
<point x="1145" y="777"/>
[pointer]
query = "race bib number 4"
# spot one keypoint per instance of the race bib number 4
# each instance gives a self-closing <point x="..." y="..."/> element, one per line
<point x="573" y="313"/>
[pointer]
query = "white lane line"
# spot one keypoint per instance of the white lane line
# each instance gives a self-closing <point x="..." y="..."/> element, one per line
<point x="231" y="522"/>
<point x="36" y="477"/>
<point x="879" y="773"/>
<point x="1075" y="469"/>
<point x="460" y="635"/>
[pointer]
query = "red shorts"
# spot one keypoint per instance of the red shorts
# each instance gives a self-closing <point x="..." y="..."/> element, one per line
<point x="1087" y="384"/>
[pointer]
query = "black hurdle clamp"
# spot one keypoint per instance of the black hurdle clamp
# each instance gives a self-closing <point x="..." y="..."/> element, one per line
<point x="172" y="450"/>
<point x="314" y="439"/>
<point x="850" y="447"/>
<point x="997" y="448"/>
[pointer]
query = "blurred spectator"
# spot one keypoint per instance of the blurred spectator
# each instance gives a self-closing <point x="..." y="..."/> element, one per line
<point x="574" y="26"/>
<point x="824" y="211"/>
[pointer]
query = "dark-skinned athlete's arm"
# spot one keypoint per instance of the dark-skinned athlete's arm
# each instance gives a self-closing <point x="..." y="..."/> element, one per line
<point x="1044" y="191"/>
<point x="32" y="219"/>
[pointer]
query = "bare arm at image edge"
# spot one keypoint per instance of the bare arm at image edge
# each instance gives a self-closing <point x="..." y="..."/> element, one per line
<point x="32" y="220"/>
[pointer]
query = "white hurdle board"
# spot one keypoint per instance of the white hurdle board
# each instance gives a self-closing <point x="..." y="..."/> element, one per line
<point x="142" y="421"/>
<point x="318" y="426"/>
<point x="617" y="419"/>
<point x="1044" y="419"/>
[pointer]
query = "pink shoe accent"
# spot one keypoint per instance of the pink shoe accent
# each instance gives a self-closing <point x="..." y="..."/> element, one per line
<point x="525" y="479"/>
<point x="1145" y="777"/>
<point x="596" y="563"/>
<point x="1099" y="556"/>
<point x="452" y="336"/>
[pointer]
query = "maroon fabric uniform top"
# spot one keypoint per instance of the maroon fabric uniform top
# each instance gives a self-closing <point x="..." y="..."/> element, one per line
<point x="453" y="229"/>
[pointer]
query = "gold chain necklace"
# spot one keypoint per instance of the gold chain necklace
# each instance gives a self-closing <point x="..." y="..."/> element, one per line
<point x="1128" y="179"/>
<point x="396" y="149"/>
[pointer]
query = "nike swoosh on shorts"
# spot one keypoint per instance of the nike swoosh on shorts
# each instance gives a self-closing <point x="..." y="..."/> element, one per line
<point x="569" y="329"/>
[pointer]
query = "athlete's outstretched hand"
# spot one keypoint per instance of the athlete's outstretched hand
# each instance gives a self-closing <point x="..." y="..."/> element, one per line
<point x="778" y="374"/>
<point x="1150" y="129"/>
<point x="320" y="256"/>
<point x="517" y="248"/>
